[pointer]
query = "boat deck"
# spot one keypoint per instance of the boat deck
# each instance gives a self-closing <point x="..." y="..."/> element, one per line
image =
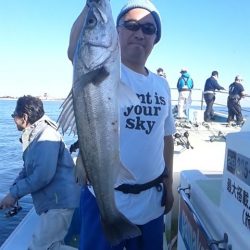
<point x="203" y="149"/>
<point x="208" y="142"/>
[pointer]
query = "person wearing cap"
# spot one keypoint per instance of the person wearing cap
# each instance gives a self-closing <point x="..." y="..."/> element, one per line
<point x="236" y="92"/>
<point x="211" y="85"/>
<point x="185" y="85"/>
<point x="146" y="151"/>
<point x="160" y="72"/>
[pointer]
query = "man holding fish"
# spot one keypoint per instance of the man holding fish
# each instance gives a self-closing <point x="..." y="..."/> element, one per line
<point x="143" y="184"/>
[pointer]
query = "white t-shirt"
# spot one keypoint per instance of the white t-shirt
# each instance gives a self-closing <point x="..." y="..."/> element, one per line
<point x="142" y="129"/>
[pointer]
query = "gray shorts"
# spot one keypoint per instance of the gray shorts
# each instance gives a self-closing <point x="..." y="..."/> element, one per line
<point x="51" y="230"/>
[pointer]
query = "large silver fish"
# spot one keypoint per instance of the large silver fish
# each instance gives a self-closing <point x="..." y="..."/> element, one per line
<point x="91" y="109"/>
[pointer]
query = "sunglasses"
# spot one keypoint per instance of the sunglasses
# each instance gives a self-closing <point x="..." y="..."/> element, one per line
<point x="147" y="28"/>
<point x="15" y="114"/>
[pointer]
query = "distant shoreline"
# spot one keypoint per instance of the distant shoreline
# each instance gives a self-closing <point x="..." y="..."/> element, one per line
<point x="9" y="98"/>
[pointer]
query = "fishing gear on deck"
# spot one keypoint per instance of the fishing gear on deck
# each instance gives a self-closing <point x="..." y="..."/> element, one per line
<point x="183" y="123"/>
<point x="13" y="211"/>
<point x="182" y="139"/>
<point x="218" y="137"/>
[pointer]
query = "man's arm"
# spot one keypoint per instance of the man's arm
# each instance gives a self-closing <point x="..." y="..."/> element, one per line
<point x="192" y="83"/>
<point x="168" y="157"/>
<point x="178" y="84"/>
<point x="9" y="201"/>
<point x="242" y="92"/>
<point x="44" y="164"/>
<point x="218" y="86"/>
<point x="75" y="33"/>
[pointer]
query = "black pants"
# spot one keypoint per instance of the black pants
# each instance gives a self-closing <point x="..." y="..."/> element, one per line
<point x="234" y="110"/>
<point x="209" y="112"/>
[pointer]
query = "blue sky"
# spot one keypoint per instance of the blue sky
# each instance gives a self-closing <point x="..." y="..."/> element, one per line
<point x="202" y="35"/>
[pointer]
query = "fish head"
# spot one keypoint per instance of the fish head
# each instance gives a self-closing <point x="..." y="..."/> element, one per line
<point x="98" y="39"/>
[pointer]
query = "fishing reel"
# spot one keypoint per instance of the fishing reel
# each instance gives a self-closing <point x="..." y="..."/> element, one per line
<point x="13" y="211"/>
<point x="183" y="123"/>
<point x="182" y="139"/>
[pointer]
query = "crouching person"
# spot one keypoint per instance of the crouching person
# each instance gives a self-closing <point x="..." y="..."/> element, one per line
<point x="47" y="175"/>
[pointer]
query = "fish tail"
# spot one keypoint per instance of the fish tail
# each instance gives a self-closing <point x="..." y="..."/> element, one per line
<point x="120" y="229"/>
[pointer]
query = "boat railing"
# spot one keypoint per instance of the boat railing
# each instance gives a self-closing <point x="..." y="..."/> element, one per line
<point x="221" y="99"/>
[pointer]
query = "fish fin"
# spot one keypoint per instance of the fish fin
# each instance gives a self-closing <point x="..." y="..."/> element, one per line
<point x="95" y="76"/>
<point x="124" y="175"/>
<point x="79" y="171"/>
<point x="120" y="229"/>
<point x="126" y="96"/>
<point x="67" y="111"/>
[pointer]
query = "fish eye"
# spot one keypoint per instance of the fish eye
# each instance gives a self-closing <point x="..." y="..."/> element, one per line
<point x="92" y="21"/>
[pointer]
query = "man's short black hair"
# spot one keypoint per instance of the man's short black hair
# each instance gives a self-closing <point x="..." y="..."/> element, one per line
<point x="215" y="73"/>
<point x="30" y="105"/>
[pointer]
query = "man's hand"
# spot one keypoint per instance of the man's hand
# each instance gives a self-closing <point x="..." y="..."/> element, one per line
<point x="8" y="201"/>
<point x="169" y="197"/>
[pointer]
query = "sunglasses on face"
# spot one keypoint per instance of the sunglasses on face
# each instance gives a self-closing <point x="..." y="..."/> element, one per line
<point x="15" y="114"/>
<point x="147" y="28"/>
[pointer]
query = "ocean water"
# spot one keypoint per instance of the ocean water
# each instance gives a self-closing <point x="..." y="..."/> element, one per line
<point x="11" y="156"/>
<point x="11" y="159"/>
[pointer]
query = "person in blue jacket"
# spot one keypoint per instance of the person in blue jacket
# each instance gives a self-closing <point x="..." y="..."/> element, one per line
<point x="209" y="95"/>
<point x="47" y="175"/>
<point x="185" y="85"/>
<point x="236" y="92"/>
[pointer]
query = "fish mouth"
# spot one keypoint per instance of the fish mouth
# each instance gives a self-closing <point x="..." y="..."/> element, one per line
<point x="97" y="44"/>
<point x="96" y="6"/>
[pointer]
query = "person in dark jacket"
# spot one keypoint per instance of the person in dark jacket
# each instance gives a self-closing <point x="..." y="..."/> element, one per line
<point x="209" y="95"/>
<point x="236" y="92"/>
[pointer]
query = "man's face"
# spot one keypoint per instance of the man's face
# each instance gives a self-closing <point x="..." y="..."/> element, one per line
<point x="21" y="122"/>
<point x="136" y="45"/>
